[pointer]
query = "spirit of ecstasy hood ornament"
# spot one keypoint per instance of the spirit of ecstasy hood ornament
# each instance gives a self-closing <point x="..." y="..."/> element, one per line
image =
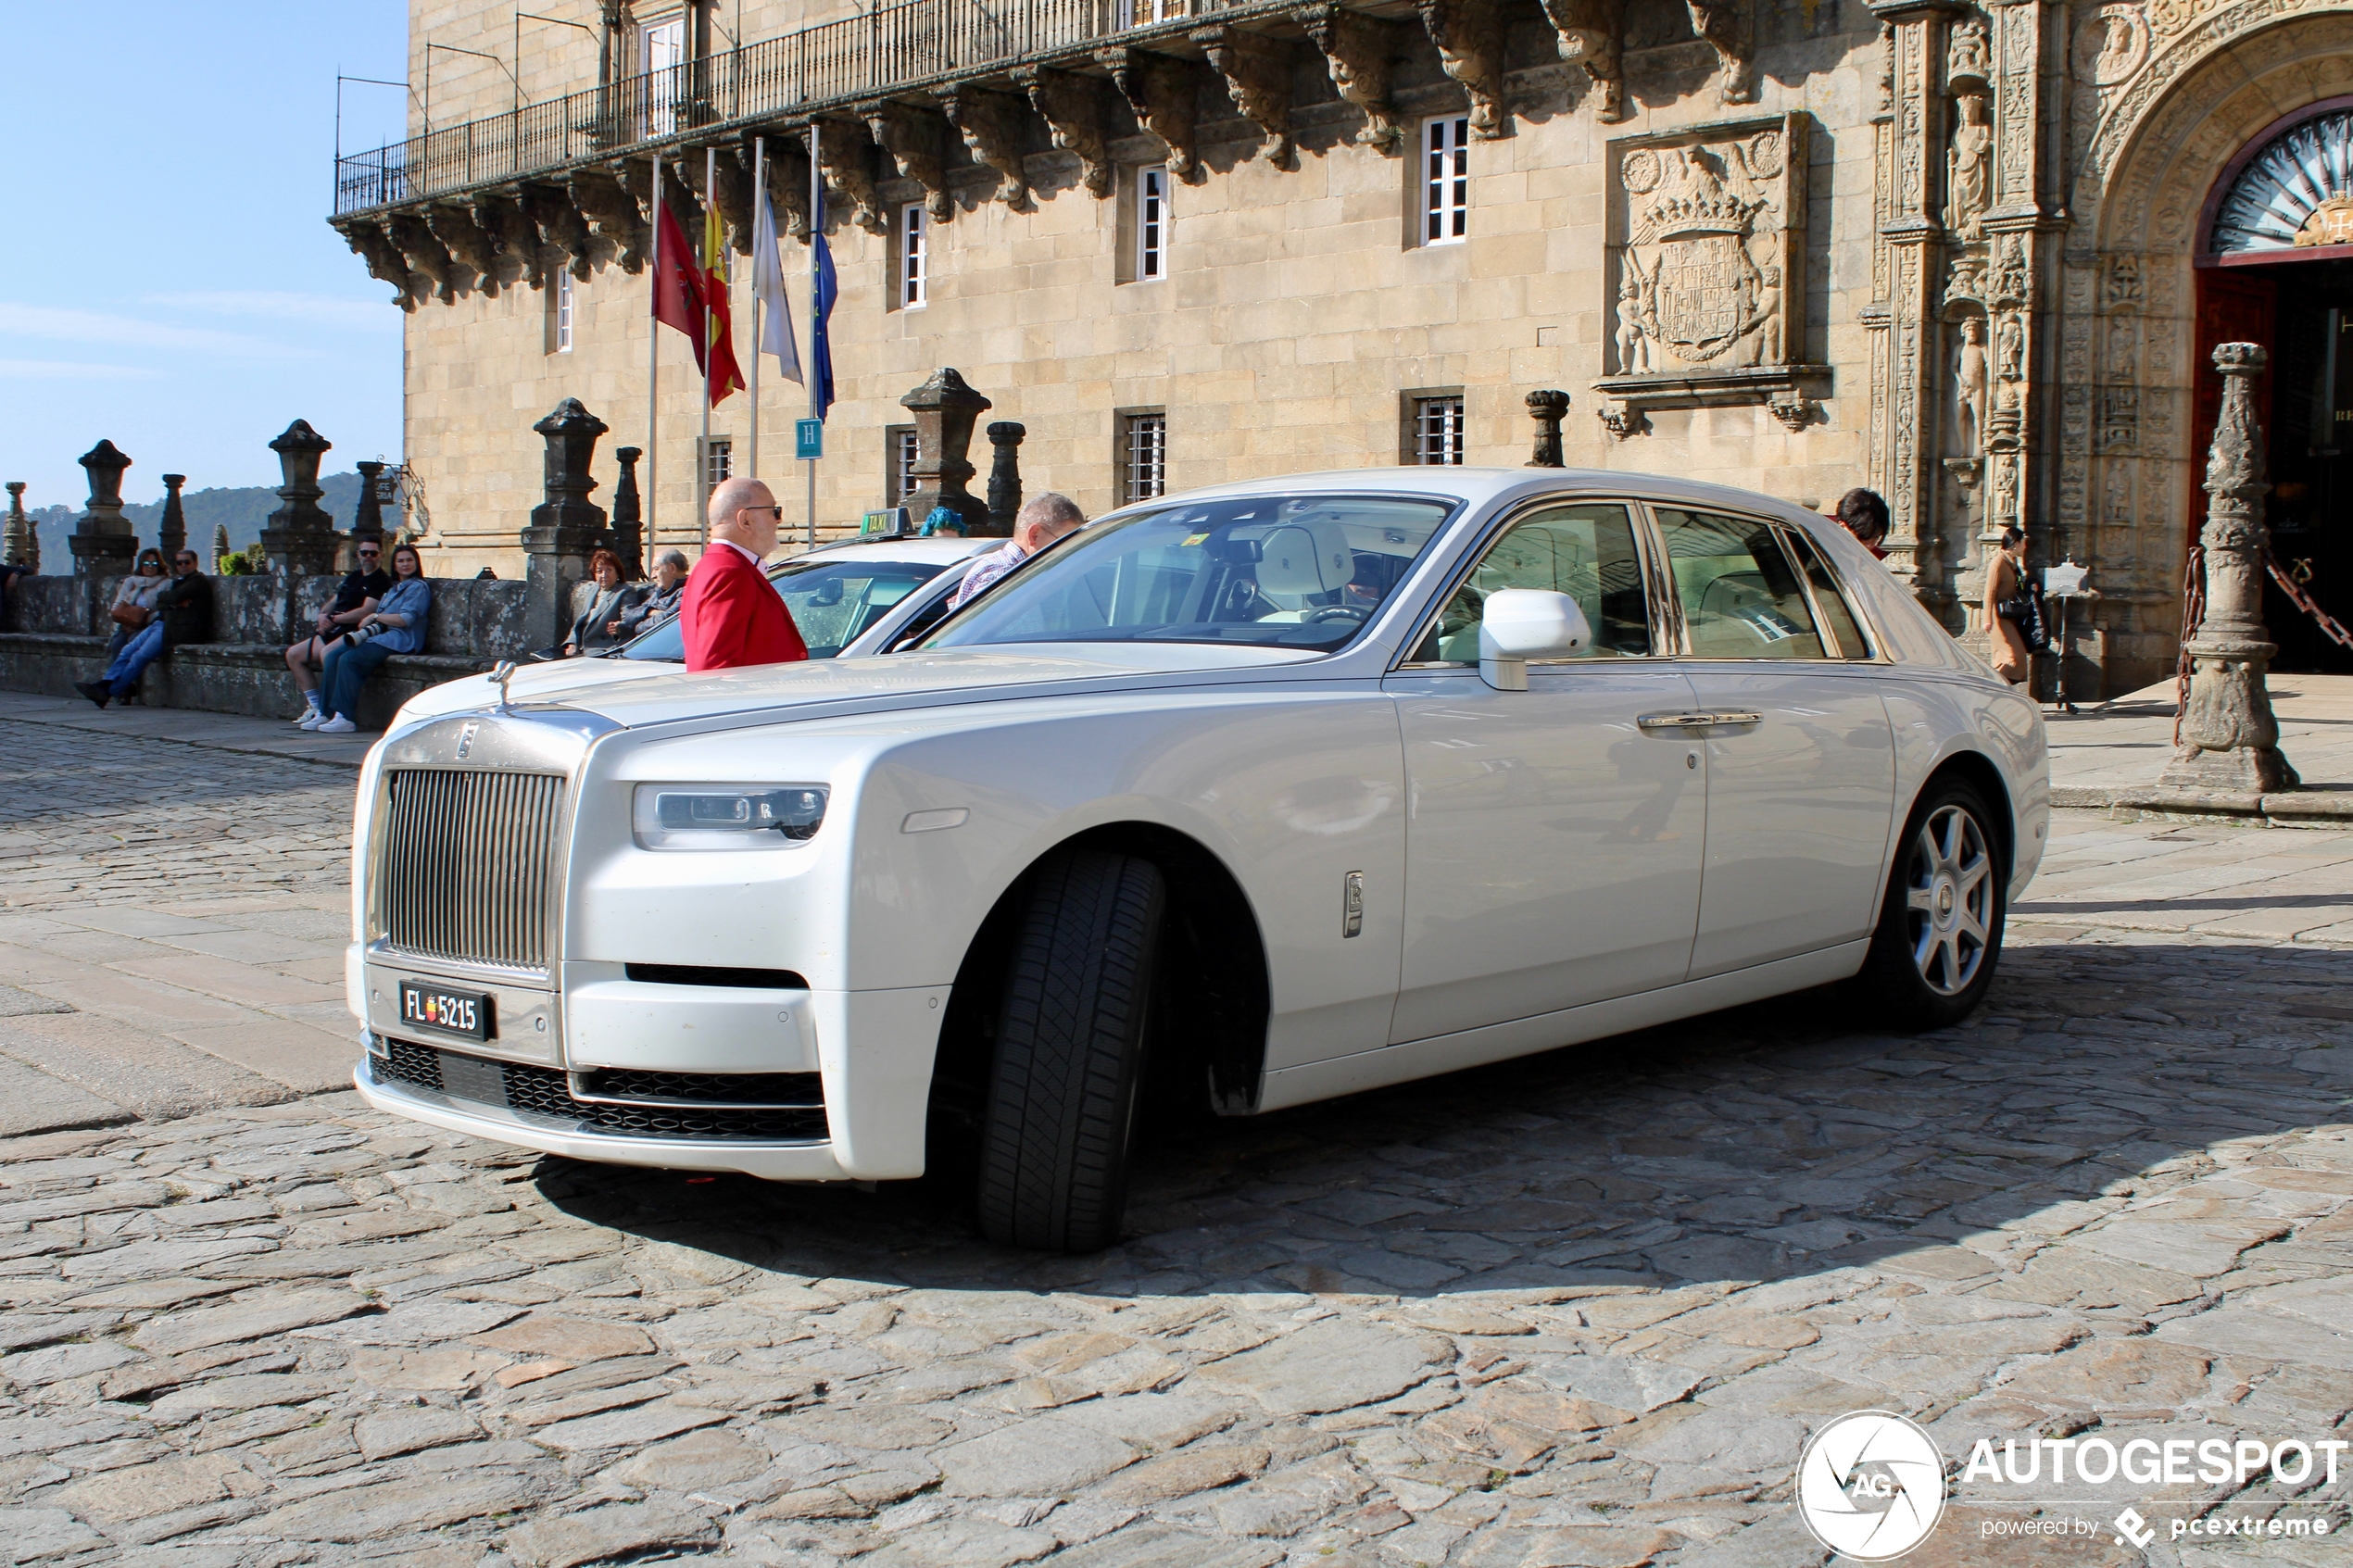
<point x="502" y="673"/>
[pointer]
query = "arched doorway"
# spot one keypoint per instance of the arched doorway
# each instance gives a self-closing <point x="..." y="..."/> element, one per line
<point x="2275" y="267"/>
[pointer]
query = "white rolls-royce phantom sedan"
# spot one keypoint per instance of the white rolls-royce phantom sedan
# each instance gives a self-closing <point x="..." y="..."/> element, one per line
<point x="1257" y="796"/>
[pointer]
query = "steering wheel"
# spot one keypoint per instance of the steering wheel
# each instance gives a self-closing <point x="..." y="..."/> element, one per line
<point x="1338" y="612"/>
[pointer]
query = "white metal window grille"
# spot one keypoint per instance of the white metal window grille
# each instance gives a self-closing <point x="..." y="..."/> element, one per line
<point x="915" y="256"/>
<point x="718" y="462"/>
<point x="1144" y="458"/>
<point x="1151" y="223"/>
<point x="1445" y="179"/>
<point x="901" y="439"/>
<point x="1438" y="431"/>
<point x="563" y="304"/>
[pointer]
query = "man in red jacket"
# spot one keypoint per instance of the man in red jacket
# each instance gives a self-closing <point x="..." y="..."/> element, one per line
<point x="731" y="613"/>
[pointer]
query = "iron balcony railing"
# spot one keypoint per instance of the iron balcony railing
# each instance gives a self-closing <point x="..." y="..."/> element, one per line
<point x="913" y="44"/>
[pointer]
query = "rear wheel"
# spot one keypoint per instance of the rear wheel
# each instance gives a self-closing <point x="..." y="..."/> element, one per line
<point x="1940" y="927"/>
<point x="1069" y="1062"/>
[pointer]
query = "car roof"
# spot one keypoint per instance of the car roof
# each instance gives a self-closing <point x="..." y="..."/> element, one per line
<point x="944" y="550"/>
<point x="1481" y="485"/>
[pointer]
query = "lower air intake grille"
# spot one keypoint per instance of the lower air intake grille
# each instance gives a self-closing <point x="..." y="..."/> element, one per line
<point x="543" y="1093"/>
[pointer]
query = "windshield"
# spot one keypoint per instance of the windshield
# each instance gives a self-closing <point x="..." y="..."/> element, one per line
<point x="831" y="602"/>
<point x="1276" y="570"/>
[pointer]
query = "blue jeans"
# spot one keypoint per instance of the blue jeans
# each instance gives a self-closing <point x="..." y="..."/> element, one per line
<point x="346" y="671"/>
<point x="122" y="674"/>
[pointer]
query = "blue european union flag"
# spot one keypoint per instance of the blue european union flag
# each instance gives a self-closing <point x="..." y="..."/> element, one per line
<point x="824" y="288"/>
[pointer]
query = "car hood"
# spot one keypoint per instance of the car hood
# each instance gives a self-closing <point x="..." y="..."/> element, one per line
<point x="638" y="694"/>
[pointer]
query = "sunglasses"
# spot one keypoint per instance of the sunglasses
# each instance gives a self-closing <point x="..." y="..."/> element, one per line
<point x="777" y="512"/>
<point x="370" y="554"/>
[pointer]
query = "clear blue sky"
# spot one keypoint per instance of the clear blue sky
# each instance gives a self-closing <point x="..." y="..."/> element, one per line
<point x="167" y="279"/>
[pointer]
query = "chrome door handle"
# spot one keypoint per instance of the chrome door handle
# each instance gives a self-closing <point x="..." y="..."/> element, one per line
<point x="1736" y="718"/>
<point x="1675" y="721"/>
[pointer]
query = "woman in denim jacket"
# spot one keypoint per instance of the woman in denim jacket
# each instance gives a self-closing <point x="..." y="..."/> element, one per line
<point x="399" y="626"/>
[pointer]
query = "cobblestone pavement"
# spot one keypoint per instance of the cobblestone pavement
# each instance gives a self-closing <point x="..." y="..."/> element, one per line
<point x="1573" y="1311"/>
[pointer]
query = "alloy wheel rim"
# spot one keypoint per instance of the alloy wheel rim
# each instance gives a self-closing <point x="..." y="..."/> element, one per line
<point x="1948" y="893"/>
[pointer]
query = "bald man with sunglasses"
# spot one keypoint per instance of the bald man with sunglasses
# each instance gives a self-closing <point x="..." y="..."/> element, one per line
<point x="731" y="613"/>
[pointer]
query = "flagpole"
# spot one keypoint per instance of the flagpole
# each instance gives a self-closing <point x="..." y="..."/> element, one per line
<point x="702" y="457"/>
<point x="759" y="185"/>
<point x="808" y="372"/>
<point x="653" y="380"/>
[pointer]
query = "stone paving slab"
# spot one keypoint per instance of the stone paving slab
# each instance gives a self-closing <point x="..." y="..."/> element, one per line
<point x="2112" y="754"/>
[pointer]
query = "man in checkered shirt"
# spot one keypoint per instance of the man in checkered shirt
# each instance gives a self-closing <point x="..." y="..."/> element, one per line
<point x="1042" y="520"/>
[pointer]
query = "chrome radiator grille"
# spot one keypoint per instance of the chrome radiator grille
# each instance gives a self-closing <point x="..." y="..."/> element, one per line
<point x="464" y="864"/>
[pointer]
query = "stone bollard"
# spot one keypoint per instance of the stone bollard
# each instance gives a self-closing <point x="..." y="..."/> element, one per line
<point x="1546" y="408"/>
<point x="104" y="542"/>
<point x="368" y="517"/>
<point x="220" y="547"/>
<point x="628" y="515"/>
<point x="1004" y="476"/>
<point x="2230" y="742"/>
<point x="564" y="526"/>
<point x="944" y="409"/>
<point x="20" y="545"/>
<point x="299" y="537"/>
<point x="172" y="533"/>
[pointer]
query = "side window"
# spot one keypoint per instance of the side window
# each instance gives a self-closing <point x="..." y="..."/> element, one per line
<point x="1585" y="551"/>
<point x="1739" y="594"/>
<point x="1838" y="616"/>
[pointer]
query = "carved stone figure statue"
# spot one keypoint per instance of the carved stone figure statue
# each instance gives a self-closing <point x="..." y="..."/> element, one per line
<point x="1768" y="317"/>
<point x="1969" y="388"/>
<point x="1634" y="343"/>
<point x="1965" y="60"/>
<point x="2009" y="346"/>
<point x="1972" y="167"/>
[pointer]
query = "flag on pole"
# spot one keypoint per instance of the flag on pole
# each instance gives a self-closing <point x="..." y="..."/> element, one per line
<point x="768" y="287"/>
<point x="823" y="287"/>
<point x="677" y="284"/>
<point x="726" y="376"/>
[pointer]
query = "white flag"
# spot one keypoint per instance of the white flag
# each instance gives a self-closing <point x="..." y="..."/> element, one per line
<point x="768" y="284"/>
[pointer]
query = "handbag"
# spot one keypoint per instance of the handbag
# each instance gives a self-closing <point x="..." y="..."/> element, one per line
<point x="2024" y="610"/>
<point x="134" y="616"/>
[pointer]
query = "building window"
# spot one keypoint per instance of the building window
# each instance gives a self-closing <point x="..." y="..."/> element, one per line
<point x="1435" y="436"/>
<point x="718" y="462"/>
<point x="559" y="311"/>
<point x="662" y="51"/>
<point x="1445" y="179"/>
<point x="899" y="447"/>
<point x="1144" y="12"/>
<point x="1144" y="455"/>
<point x="1151" y="223"/>
<point x="915" y="256"/>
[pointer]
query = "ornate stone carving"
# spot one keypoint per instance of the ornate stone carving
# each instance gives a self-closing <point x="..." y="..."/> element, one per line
<point x="561" y="225"/>
<point x="1730" y="28"/>
<point x="1791" y="407"/>
<point x="731" y="178"/>
<point x="945" y="408"/>
<point x="1470" y="36"/>
<point x="787" y="167"/>
<point x="1072" y="107"/>
<point x="1546" y="408"/>
<point x="103" y="541"/>
<point x="299" y="537"/>
<point x="565" y="525"/>
<point x="455" y="227"/>
<point x="1622" y="419"/>
<point x="618" y="202"/>
<point x="372" y="245"/>
<point x="917" y="143"/>
<point x="368" y="511"/>
<point x="1592" y="33"/>
<point x="171" y="529"/>
<point x="1969" y="164"/>
<point x="1164" y="94"/>
<point x="1004" y="476"/>
<point x="2229" y="739"/>
<point x="2111" y="45"/>
<point x="1706" y="278"/>
<point x="426" y="257"/>
<point x="1359" y="52"/>
<point x="847" y="158"/>
<point x="1258" y="78"/>
<point x="1967" y="62"/>
<point x="991" y="124"/>
<point x="1971" y="379"/>
<point x="20" y="545"/>
<point x="514" y="237"/>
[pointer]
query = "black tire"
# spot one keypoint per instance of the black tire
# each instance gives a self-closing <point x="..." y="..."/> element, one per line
<point x="1069" y="1062"/>
<point x="1939" y="937"/>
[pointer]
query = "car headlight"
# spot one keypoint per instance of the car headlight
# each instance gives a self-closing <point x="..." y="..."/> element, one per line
<point x="669" y="816"/>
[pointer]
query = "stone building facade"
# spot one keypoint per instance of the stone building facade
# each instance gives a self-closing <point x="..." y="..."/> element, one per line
<point x="1972" y="255"/>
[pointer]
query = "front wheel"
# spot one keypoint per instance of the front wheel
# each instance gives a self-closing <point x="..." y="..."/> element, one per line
<point x="1069" y="1062"/>
<point x="1940" y="928"/>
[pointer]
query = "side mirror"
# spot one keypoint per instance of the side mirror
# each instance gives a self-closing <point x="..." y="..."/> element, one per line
<point x="1518" y="624"/>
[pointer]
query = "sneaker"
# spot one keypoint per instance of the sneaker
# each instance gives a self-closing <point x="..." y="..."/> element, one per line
<point x="338" y="725"/>
<point x="311" y="720"/>
<point x="309" y="715"/>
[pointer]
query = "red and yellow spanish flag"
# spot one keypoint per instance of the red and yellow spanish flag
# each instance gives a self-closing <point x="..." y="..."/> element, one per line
<point x="726" y="376"/>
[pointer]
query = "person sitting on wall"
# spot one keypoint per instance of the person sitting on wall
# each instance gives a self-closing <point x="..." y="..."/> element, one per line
<point x="662" y="603"/>
<point x="397" y="625"/>
<point x="1042" y="520"/>
<point x="134" y="601"/>
<point x="355" y="600"/>
<point x="183" y="614"/>
<point x="730" y="613"/>
<point x="11" y="573"/>
<point x="599" y="625"/>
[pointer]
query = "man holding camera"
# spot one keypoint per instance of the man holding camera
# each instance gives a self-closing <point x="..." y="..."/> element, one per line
<point x="354" y="602"/>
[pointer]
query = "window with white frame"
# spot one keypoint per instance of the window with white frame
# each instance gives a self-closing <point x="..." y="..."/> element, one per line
<point x="1144" y="455"/>
<point x="718" y="462"/>
<point x="559" y="312"/>
<point x="662" y="50"/>
<point x="1445" y="179"/>
<point x="899" y="447"/>
<point x="1437" y="430"/>
<point x="914" y="257"/>
<point x="1152" y="222"/>
<point x="1144" y="12"/>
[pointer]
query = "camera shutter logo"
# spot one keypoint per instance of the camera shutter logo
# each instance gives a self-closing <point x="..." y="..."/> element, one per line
<point x="1871" y="1486"/>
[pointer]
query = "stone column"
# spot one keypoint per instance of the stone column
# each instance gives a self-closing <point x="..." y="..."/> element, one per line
<point x="20" y="545"/>
<point x="171" y="534"/>
<point x="299" y="537"/>
<point x="564" y="526"/>
<point x="368" y="517"/>
<point x="1546" y="408"/>
<point x="628" y="517"/>
<point x="1004" y="476"/>
<point x="220" y="550"/>
<point x="103" y="541"/>
<point x="944" y="409"/>
<point x="2230" y="741"/>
